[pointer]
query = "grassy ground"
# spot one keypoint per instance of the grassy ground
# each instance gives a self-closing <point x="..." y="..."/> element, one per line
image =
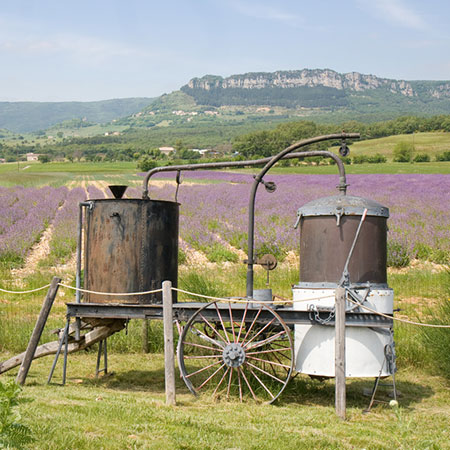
<point x="430" y="143"/>
<point x="127" y="410"/>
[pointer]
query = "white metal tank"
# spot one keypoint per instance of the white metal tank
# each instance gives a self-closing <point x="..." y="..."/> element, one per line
<point x="365" y="347"/>
<point x="328" y="228"/>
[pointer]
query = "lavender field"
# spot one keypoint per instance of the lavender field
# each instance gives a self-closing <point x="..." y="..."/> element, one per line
<point x="214" y="212"/>
<point x="419" y="226"/>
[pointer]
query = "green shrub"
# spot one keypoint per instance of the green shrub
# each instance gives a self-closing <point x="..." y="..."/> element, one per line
<point x="378" y="158"/>
<point x="422" y="157"/>
<point x="218" y="253"/>
<point x="403" y="152"/>
<point x="397" y="254"/>
<point x="445" y="156"/>
<point x="182" y="258"/>
<point x="200" y="284"/>
<point x="436" y="255"/>
<point x="12" y="433"/>
<point x="359" y="159"/>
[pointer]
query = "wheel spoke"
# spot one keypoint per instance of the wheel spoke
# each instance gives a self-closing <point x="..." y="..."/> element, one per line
<point x="221" y="321"/>
<point x="202" y="369"/>
<point x="269" y="362"/>
<point x="229" y="383"/>
<point x="251" y="326"/>
<point x="200" y="346"/>
<point x="203" y="357"/>
<point x="221" y="381"/>
<point x="264" y="372"/>
<point x="240" y="385"/>
<point x="287" y="368"/>
<point x="242" y="322"/>
<point x="203" y="336"/>
<point x="215" y="331"/>
<point x="269" y="351"/>
<point x="262" y="384"/>
<point x="211" y="376"/>
<point x="267" y="341"/>
<point x="260" y="331"/>
<point x="248" y="384"/>
<point x="232" y="324"/>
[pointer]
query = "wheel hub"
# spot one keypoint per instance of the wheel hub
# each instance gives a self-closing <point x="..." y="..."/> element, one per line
<point x="233" y="355"/>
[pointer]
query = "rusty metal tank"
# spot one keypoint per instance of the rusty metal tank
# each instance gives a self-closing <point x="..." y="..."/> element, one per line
<point x="130" y="245"/>
<point x="327" y="230"/>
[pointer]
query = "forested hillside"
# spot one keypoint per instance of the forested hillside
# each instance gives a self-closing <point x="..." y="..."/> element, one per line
<point x="32" y="116"/>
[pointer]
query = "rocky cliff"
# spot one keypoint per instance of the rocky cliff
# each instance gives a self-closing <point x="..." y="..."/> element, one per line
<point x="352" y="81"/>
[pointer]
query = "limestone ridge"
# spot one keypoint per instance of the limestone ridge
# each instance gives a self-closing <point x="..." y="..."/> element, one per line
<point x="327" y="78"/>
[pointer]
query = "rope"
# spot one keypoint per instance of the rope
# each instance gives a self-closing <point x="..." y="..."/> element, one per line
<point x="25" y="292"/>
<point x="244" y="300"/>
<point x="225" y="300"/>
<point x="109" y="293"/>
<point x="431" y="325"/>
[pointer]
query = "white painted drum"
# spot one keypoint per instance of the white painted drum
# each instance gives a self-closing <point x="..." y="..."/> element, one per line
<point x="365" y="347"/>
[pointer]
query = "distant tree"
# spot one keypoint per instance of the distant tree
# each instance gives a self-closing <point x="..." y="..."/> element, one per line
<point x="146" y="163"/>
<point x="60" y="134"/>
<point x="403" y="152"/>
<point x="44" y="158"/>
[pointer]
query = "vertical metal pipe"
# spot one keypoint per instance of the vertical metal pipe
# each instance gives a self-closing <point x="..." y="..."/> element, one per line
<point x="251" y="208"/>
<point x="78" y="273"/>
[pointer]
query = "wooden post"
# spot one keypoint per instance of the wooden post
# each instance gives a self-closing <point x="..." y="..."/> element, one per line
<point x="340" y="395"/>
<point x="37" y="332"/>
<point x="169" y="357"/>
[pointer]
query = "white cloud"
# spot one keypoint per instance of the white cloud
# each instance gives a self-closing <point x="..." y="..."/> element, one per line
<point x="16" y="37"/>
<point x="396" y="11"/>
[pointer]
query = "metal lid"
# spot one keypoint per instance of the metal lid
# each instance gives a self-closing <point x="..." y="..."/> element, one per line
<point x="343" y="205"/>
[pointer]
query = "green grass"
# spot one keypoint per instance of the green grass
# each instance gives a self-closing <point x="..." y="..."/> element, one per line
<point x="127" y="410"/>
<point x="430" y="143"/>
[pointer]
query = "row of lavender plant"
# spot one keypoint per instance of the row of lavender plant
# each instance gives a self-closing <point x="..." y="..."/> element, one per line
<point x="24" y="214"/>
<point x="64" y="237"/>
<point x="419" y="223"/>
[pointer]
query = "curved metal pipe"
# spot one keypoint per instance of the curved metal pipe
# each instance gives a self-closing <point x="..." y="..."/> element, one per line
<point x="251" y="209"/>
<point x="252" y="162"/>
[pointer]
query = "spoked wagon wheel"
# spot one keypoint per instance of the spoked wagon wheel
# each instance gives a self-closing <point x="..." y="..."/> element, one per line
<point x="249" y="355"/>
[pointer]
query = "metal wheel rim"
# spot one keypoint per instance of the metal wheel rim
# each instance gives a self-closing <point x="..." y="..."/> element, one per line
<point x="249" y="372"/>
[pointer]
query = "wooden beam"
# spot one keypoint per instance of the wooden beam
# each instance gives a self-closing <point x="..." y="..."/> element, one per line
<point x="340" y="394"/>
<point x="37" y="332"/>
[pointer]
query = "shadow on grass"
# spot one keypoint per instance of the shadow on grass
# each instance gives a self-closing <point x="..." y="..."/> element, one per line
<point x="306" y="391"/>
<point x="300" y="390"/>
<point x="137" y="380"/>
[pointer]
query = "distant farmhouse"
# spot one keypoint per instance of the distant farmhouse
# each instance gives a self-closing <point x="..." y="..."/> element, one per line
<point x="32" y="157"/>
<point x="166" y="150"/>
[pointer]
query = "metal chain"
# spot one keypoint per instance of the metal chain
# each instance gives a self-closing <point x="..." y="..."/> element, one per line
<point x="317" y="318"/>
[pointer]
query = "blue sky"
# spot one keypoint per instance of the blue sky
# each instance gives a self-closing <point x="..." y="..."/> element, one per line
<point x="59" y="50"/>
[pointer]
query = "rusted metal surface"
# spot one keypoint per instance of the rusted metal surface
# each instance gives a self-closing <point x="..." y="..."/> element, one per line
<point x="324" y="248"/>
<point x="131" y="245"/>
